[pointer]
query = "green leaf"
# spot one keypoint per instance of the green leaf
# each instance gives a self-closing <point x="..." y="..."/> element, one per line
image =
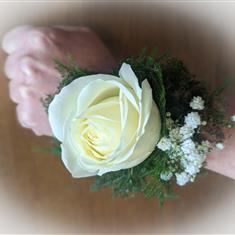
<point x="53" y="149"/>
<point x="69" y="71"/>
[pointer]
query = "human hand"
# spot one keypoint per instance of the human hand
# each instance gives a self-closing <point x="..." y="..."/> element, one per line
<point x="30" y="67"/>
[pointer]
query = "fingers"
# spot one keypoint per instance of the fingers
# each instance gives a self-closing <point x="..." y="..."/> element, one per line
<point x="39" y="70"/>
<point x="26" y="38"/>
<point x="30" y="111"/>
<point x="31" y="114"/>
<point x="12" y="67"/>
<point x="16" y="91"/>
<point x="15" y="38"/>
<point x="31" y="79"/>
<point x="32" y="71"/>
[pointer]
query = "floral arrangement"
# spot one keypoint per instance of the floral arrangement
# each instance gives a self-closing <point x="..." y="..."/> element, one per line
<point x="141" y="128"/>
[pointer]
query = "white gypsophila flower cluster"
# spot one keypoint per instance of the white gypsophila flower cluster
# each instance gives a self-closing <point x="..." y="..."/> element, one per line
<point x="166" y="175"/>
<point x="193" y="120"/>
<point x="205" y="146"/>
<point x="164" y="144"/>
<point x="169" y="123"/>
<point x="174" y="134"/>
<point x="233" y="118"/>
<point x="186" y="132"/>
<point x="182" y="178"/>
<point x="197" y="103"/>
<point x="188" y="146"/>
<point x="219" y="146"/>
<point x="186" y="155"/>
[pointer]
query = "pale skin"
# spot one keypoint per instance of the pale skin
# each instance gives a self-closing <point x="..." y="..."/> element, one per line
<point x="30" y="68"/>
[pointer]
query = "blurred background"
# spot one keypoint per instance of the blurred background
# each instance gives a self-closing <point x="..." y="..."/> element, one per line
<point x="38" y="195"/>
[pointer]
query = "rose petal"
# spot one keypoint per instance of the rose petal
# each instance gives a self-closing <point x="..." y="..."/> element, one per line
<point x="70" y="160"/>
<point x="129" y="76"/>
<point x="144" y="146"/>
<point x="127" y="148"/>
<point x="129" y="127"/>
<point x="63" y="103"/>
<point x="99" y="89"/>
<point x="148" y="140"/>
<point x="146" y="106"/>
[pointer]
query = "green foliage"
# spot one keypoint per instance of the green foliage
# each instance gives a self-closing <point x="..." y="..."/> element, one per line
<point x="144" y="178"/>
<point x="69" y="71"/>
<point x="180" y="86"/>
<point x="53" y="149"/>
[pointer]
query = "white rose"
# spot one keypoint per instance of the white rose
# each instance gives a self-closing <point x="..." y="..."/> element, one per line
<point x="105" y="123"/>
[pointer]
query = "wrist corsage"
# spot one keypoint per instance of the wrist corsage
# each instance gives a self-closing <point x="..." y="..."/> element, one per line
<point x="141" y="128"/>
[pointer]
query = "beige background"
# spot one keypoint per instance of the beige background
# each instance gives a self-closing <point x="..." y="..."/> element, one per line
<point x="37" y="195"/>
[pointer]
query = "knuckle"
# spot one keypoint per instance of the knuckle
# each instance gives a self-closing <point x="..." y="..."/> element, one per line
<point x="14" y="92"/>
<point x="40" y="39"/>
<point x="22" y="116"/>
<point x="26" y="108"/>
<point x="27" y="65"/>
<point x="8" y="67"/>
<point x="24" y="93"/>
